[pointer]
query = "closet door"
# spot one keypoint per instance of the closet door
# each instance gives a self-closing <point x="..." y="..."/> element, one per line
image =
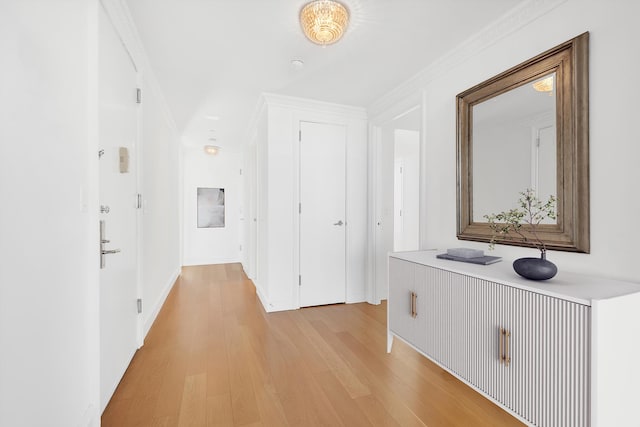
<point x="322" y="213"/>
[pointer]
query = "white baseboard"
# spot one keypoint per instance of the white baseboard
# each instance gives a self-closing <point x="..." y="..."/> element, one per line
<point x="157" y="305"/>
<point x="272" y="306"/>
<point x="209" y="261"/>
<point x="353" y="299"/>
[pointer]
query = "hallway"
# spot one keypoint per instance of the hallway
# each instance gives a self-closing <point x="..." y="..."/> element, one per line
<point x="215" y="358"/>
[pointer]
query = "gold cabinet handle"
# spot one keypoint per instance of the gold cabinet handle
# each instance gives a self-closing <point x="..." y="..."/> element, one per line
<point x="415" y="305"/>
<point x="507" y="355"/>
<point x="501" y="344"/>
<point x="411" y="303"/>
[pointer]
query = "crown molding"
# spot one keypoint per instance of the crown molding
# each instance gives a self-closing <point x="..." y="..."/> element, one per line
<point x="491" y="34"/>
<point x="314" y="105"/>
<point x="120" y="16"/>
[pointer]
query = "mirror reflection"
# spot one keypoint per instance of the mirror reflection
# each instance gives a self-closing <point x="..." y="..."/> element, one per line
<point x="514" y="146"/>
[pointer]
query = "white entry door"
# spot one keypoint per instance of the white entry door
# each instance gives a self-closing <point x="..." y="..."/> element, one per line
<point x="118" y="203"/>
<point x="322" y="214"/>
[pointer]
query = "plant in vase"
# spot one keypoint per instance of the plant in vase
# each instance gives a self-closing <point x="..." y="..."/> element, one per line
<point x="528" y="216"/>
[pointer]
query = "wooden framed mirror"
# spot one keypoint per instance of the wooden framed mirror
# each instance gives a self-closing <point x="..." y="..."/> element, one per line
<point x="528" y="127"/>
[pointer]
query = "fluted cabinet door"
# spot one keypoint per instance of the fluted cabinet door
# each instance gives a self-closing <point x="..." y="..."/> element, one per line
<point x="544" y="373"/>
<point x="420" y="307"/>
<point x="401" y="284"/>
<point x="437" y="331"/>
<point x="407" y="306"/>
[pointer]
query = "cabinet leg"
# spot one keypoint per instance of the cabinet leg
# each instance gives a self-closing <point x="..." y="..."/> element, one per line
<point x="389" y="341"/>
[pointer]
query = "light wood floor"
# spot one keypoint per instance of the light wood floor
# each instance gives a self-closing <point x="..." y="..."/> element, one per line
<point x="215" y="358"/>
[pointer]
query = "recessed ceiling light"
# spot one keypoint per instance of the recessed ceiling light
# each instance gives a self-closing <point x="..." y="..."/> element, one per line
<point x="297" y="64"/>
<point x="212" y="117"/>
<point x="211" y="149"/>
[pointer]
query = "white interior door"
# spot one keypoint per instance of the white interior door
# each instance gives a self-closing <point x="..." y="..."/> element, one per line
<point x="118" y="191"/>
<point x="546" y="162"/>
<point x="385" y="198"/>
<point x="406" y="188"/>
<point x="322" y="214"/>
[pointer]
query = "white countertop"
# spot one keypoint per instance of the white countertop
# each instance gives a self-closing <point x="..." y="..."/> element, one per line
<point x="579" y="288"/>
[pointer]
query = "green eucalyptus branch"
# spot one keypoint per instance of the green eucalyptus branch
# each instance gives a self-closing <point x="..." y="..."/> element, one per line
<point x="531" y="211"/>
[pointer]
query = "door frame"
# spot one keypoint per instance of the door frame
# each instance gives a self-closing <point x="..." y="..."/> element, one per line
<point x="376" y="126"/>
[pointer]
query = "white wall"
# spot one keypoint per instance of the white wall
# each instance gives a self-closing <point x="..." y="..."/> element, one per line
<point x="49" y="372"/>
<point x="161" y="202"/>
<point x="492" y="193"/>
<point x="614" y="151"/>
<point x="212" y="245"/>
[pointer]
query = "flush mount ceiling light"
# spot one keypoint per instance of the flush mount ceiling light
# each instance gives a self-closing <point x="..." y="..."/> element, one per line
<point x="324" y="21"/>
<point x="544" y="85"/>
<point x="211" y="149"/>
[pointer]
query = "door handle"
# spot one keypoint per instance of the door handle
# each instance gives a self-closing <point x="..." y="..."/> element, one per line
<point x="103" y="240"/>
<point x="110" y="251"/>
<point x="339" y="223"/>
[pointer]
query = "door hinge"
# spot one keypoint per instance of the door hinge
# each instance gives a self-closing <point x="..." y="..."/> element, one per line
<point x="138" y="95"/>
<point x="240" y="171"/>
<point x="300" y="136"/>
<point x="299" y="280"/>
<point x="139" y="201"/>
<point x="299" y="208"/>
<point x="139" y="305"/>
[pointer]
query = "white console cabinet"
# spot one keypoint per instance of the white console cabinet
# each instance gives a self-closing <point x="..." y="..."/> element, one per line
<point x="558" y="353"/>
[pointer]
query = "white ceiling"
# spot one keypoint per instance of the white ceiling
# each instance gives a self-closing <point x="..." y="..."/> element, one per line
<point x="215" y="57"/>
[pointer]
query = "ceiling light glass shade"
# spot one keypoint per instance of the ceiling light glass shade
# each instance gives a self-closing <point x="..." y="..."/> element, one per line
<point x="211" y="149"/>
<point x="324" y="21"/>
<point x="544" y="85"/>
